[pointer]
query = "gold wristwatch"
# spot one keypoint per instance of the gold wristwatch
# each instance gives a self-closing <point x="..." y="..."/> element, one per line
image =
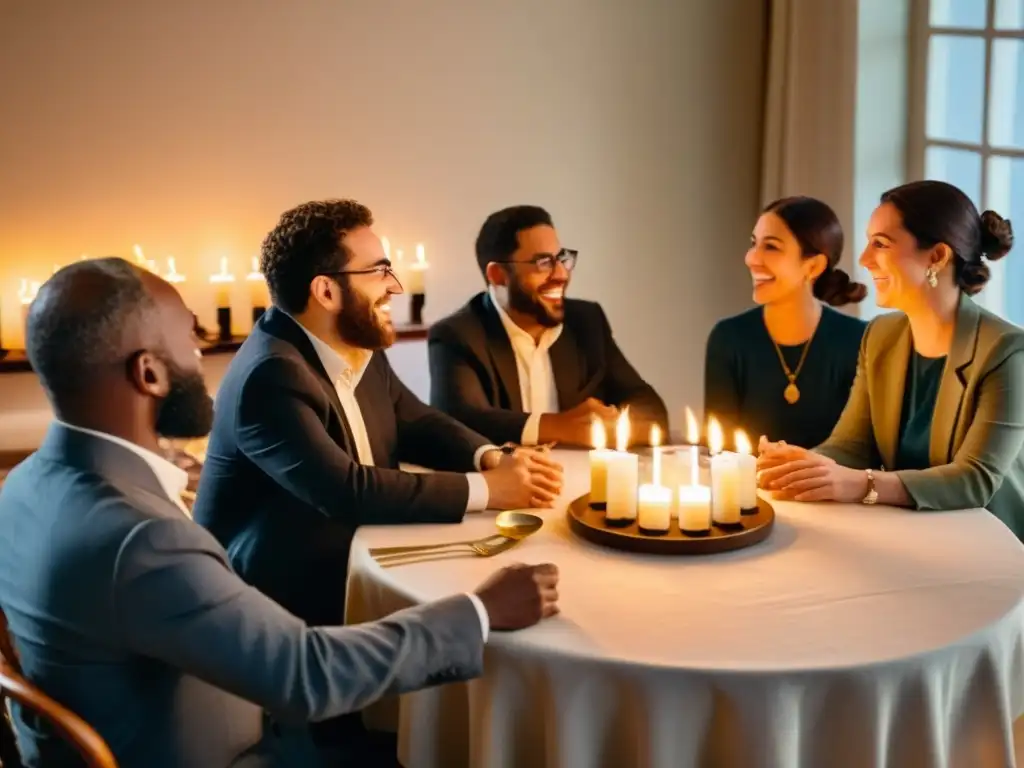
<point x="871" y="497"/>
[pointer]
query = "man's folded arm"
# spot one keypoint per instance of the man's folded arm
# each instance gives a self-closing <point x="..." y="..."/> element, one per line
<point x="280" y="427"/>
<point x="176" y="600"/>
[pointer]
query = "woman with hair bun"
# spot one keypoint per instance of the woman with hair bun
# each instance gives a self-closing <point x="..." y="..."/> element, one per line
<point x="785" y="367"/>
<point x="935" y="420"/>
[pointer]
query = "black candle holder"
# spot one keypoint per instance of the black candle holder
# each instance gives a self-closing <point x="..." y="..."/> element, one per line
<point x="416" y="308"/>
<point x="257" y="313"/>
<point x="224" y="323"/>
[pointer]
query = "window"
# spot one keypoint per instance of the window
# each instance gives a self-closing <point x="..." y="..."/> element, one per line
<point x="967" y="122"/>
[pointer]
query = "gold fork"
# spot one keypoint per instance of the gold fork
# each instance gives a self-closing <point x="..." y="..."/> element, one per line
<point x="475" y="549"/>
<point x="409" y="548"/>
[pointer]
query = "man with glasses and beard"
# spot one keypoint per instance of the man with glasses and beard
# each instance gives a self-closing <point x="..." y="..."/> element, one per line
<point x="521" y="362"/>
<point x="128" y="613"/>
<point x="311" y="423"/>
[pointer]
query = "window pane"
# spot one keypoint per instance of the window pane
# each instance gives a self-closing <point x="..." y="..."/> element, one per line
<point x="1006" y="95"/>
<point x="1009" y="14"/>
<point x="958" y="13"/>
<point x="1006" y="197"/>
<point x="956" y="81"/>
<point x="959" y="167"/>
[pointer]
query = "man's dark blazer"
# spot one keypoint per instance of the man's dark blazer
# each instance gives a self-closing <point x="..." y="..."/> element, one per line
<point x="281" y="487"/>
<point x="128" y="613"/>
<point x="473" y="374"/>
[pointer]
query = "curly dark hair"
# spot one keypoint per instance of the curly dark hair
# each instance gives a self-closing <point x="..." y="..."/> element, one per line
<point x="305" y="243"/>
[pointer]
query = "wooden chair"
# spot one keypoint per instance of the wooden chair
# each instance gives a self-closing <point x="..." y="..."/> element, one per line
<point x="89" y="744"/>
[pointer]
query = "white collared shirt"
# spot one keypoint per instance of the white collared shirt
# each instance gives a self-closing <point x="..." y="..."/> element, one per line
<point x="173" y="479"/>
<point x="346" y="379"/>
<point x="537" y="387"/>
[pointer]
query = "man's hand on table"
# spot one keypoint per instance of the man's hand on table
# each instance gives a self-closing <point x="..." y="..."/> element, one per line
<point x="526" y="478"/>
<point x="519" y="596"/>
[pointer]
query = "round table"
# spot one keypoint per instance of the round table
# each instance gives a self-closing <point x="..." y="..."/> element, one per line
<point x="854" y="636"/>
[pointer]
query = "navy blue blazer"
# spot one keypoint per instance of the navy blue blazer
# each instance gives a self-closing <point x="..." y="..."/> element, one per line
<point x="281" y="487"/>
<point x="128" y="613"/>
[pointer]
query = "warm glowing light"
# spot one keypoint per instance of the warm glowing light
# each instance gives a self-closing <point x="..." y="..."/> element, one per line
<point x="692" y="430"/>
<point x="715" y="438"/>
<point x="223" y="276"/>
<point x="622" y="431"/>
<point x="141" y="259"/>
<point x="173" y="275"/>
<point x="27" y="290"/>
<point x="742" y="442"/>
<point x="598" y="434"/>
<point x="655" y="438"/>
<point x="398" y="255"/>
<point x="655" y="441"/>
<point x="386" y="245"/>
<point x="421" y="254"/>
<point x="254" y="272"/>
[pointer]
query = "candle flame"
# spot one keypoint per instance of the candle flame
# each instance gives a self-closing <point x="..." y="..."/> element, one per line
<point x="386" y="245"/>
<point x="173" y="275"/>
<point x="223" y="276"/>
<point x="715" y="437"/>
<point x="742" y="442"/>
<point x="421" y="254"/>
<point x="398" y="254"/>
<point x="27" y="290"/>
<point x="254" y="273"/>
<point x="655" y="438"/>
<point x="598" y="434"/>
<point x="139" y="257"/>
<point x="622" y="431"/>
<point x="692" y="430"/>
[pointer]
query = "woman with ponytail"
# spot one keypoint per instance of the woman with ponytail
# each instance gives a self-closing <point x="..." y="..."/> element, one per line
<point x="935" y="420"/>
<point x="785" y="367"/>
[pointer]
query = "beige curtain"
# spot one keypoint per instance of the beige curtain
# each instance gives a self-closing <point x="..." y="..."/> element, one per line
<point x="810" y="99"/>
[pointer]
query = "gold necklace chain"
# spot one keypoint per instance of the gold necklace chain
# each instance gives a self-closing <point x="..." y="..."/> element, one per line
<point x="792" y="392"/>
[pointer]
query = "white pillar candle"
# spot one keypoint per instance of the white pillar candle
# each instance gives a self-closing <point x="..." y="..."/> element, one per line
<point x="598" y="464"/>
<point x="623" y="471"/>
<point x="694" y="506"/>
<point x="725" y="498"/>
<point x="222" y="282"/>
<point x="654" y="512"/>
<point x="746" y="468"/>
<point x="414" y="277"/>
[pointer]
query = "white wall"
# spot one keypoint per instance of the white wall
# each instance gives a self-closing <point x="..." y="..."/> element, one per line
<point x="189" y="126"/>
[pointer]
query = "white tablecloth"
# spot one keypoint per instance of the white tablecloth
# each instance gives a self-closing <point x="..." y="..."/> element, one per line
<point x="853" y="636"/>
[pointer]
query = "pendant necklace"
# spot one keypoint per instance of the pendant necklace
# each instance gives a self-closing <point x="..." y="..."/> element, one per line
<point x="792" y="392"/>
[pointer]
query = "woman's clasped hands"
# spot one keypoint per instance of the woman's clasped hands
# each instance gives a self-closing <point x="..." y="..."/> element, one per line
<point x="797" y="474"/>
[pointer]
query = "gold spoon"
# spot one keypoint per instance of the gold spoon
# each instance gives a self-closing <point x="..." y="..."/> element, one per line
<point x="511" y="525"/>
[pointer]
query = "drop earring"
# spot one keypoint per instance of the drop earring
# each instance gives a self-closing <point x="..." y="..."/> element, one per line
<point x="932" y="276"/>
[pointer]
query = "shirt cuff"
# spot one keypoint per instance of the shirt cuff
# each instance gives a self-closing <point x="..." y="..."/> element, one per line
<point x="481" y="612"/>
<point x="479" y="493"/>
<point x="479" y="455"/>
<point x="531" y="429"/>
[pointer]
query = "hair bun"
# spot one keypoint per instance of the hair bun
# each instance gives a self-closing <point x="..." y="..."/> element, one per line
<point x="996" y="235"/>
<point x="835" y="288"/>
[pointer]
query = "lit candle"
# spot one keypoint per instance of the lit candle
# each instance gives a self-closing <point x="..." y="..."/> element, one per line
<point x="173" y="275"/>
<point x="27" y="291"/>
<point x="654" y="512"/>
<point x="655" y="441"/>
<point x="386" y="245"/>
<point x="259" y="294"/>
<point x="598" y="464"/>
<point x="746" y="468"/>
<point x="693" y="438"/>
<point x="222" y="282"/>
<point x="623" y="470"/>
<point x="141" y="260"/>
<point x="694" y="504"/>
<point x="414" y="277"/>
<point x="725" y="498"/>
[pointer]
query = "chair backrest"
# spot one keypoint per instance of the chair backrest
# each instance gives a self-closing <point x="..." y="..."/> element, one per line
<point x="89" y="744"/>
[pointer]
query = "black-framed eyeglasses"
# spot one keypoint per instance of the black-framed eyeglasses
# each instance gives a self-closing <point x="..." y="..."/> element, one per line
<point x="545" y="262"/>
<point x="383" y="271"/>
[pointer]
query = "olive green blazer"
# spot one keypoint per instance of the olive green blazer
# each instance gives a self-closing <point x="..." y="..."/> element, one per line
<point x="977" y="432"/>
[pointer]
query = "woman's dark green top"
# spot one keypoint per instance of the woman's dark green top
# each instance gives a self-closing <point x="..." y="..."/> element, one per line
<point x="744" y="381"/>
<point x="922" y="388"/>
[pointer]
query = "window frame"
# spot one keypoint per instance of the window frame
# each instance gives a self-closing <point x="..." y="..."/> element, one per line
<point x="918" y="142"/>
